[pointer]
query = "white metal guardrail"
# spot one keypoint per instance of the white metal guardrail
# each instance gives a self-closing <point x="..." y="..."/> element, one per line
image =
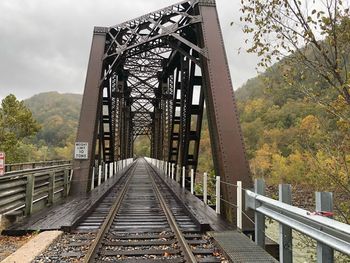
<point x="32" y="165"/>
<point x="169" y="170"/>
<point x="31" y="190"/>
<point x="104" y="171"/>
<point x="330" y="234"/>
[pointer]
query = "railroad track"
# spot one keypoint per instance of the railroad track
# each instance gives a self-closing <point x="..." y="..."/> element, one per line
<point x="139" y="220"/>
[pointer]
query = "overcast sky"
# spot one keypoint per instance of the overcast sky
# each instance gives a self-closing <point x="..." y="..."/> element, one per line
<point x="44" y="45"/>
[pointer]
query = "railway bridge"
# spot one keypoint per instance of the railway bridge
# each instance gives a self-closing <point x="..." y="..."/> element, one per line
<point x="155" y="76"/>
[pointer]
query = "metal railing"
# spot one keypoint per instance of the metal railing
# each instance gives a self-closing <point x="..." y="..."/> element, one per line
<point x="169" y="170"/>
<point x="33" y="165"/>
<point x="31" y="190"/>
<point x="103" y="171"/>
<point x="330" y="234"/>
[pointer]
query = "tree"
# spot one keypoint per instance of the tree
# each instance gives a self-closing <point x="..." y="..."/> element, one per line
<point x="311" y="39"/>
<point x="316" y="34"/>
<point x="16" y="125"/>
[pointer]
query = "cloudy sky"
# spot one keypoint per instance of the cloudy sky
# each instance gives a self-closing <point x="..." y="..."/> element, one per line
<point x="44" y="45"/>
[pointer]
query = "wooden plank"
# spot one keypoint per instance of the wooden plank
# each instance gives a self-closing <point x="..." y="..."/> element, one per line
<point x="144" y="236"/>
<point x="140" y="243"/>
<point x="203" y="251"/>
<point x="143" y="260"/>
<point x="140" y="252"/>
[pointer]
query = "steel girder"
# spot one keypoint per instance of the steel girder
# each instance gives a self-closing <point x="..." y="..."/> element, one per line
<point x="152" y="76"/>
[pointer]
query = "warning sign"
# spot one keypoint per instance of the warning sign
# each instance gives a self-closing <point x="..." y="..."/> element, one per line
<point x="81" y="150"/>
<point x="2" y="163"/>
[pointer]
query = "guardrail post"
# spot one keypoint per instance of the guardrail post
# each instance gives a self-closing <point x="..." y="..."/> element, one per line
<point x="192" y="181"/>
<point x="169" y="169"/>
<point x="178" y="174"/>
<point x="29" y="194"/>
<point x="93" y="178"/>
<point x="183" y="176"/>
<point x="285" y="233"/>
<point x="51" y="188"/>
<point x="205" y="188"/>
<point x="111" y="172"/>
<point x="65" y="182"/>
<point x="259" y="188"/>
<point x="239" y="205"/>
<point x="218" y="195"/>
<point x="99" y="174"/>
<point x="106" y="171"/>
<point x="324" y="202"/>
<point x="172" y="171"/>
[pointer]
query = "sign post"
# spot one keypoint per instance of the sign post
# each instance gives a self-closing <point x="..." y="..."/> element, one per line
<point x="2" y="163"/>
<point x="81" y="150"/>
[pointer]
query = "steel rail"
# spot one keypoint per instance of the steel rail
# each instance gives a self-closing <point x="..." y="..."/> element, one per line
<point x="91" y="254"/>
<point x="172" y="222"/>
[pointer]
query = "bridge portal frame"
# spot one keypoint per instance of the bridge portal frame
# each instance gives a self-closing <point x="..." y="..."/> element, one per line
<point x="195" y="41"/>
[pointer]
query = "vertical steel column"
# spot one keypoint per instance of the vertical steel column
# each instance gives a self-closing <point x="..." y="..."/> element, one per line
<point x="157" y="132"/>
<point x="226" y="137"/>
<point x="169" y="111"/>
<point x="184" y="115"/>
<point x="193" y="121"/>
<point x="87" y="129"/>
<point x="175" y="124"/>
<point x="114" y="117"/>
<point x="119" y="116"/>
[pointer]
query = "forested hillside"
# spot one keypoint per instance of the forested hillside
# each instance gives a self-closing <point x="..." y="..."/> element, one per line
<point x="290" y="136"/>
<point x="58" y="115"/>
<point x="295" y="137"/>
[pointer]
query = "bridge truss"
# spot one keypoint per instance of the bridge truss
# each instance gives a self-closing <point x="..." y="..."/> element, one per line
<point x="152" y="76"/>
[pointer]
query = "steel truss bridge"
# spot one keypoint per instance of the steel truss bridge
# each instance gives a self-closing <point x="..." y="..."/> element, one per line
<point x="154" y="76"/>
